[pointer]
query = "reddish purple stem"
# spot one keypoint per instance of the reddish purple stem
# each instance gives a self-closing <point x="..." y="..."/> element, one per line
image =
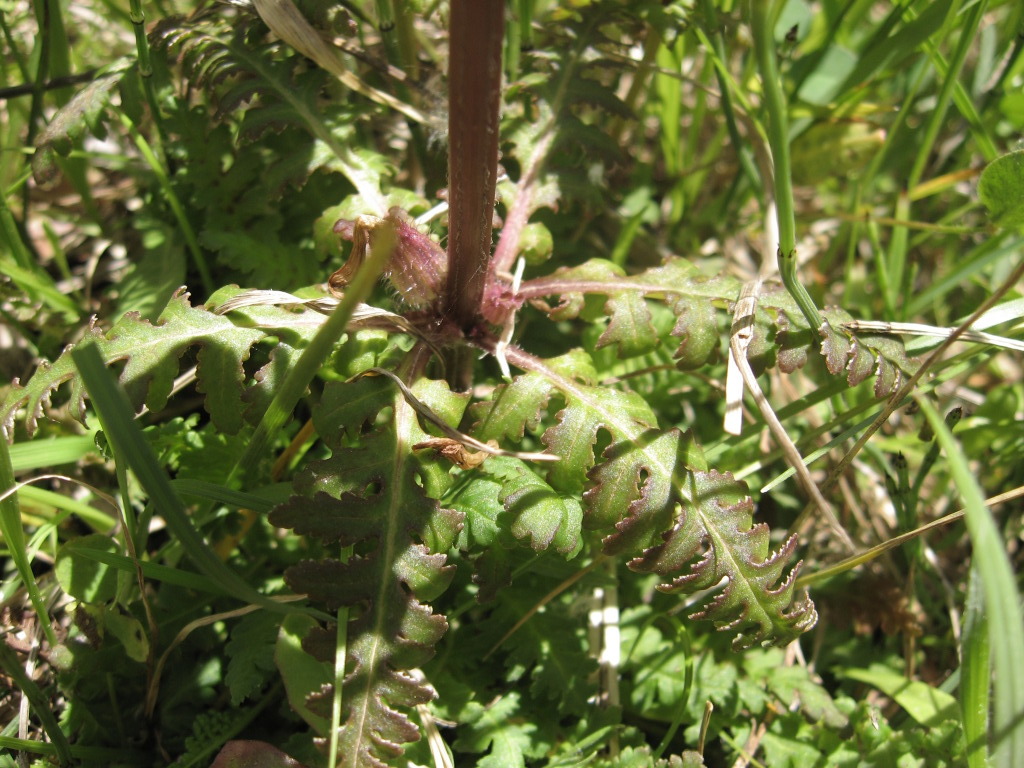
<point x="476" y="33"/>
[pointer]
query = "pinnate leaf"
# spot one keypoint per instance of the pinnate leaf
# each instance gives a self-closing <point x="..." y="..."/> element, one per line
<point x="371" y="496"/>
<point x="251" y="653"/>
<point x="589" y="409"/>
<point x="780" y="332"/>
<point x="715" y="537"/>
<point x="697" y="330"/>
<point x="494" y="728"/>
<point x="1001" y="189"/>
<point x="550" y="650"/>
<point x="519" y="405"/>
<point x="652" y="493"/>
<point x="150" y="353"/>
<point x="84" y="111"/>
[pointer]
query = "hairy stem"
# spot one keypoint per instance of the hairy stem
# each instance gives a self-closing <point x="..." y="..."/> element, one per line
<point x="474" y="82"/>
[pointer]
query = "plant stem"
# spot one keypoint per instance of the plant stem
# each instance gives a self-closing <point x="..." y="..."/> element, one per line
<point x="138" y="19"/>
<point x="761" y="22"/>
<point x="523" y="204"/>
<point x="176" y="206"/>
<point x="474" y="82"/>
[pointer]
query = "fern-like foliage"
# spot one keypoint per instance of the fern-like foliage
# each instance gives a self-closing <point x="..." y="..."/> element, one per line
<point x="371" y="497"/>
<point x="652" y="497"/>
<point x="84" y="112"/>
<point x="757" y="602"/>
<point x="266" y="104"/>
<point x="150" y="354"/>
<point x="781" y="333"/>
<point x="223" y="55"/>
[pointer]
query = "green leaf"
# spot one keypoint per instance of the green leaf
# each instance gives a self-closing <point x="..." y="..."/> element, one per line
<point x="541" y="514"/>
<point x="1001" y="189"/>
<point x="150" y="353"/>
<point x="535" y="243"/>
<point x="884" y="50"/>
<point x="789" y="750"/>
<point x="652" y="490"/>
<point x="219" y="56"/>
<point x="131" y="447"/>
<point x="372" y="497"/>
<point x="633" y="489"/>
<point x="493" y="728"/>
<point x="302" y="674"/>
<point x="550" y="650"/>
<point x="928" y="705"/>
<point x="587" y="90"/>
<point x="717" y="513"/>
<point x="697" y="330"/>
<point x="251" y="654"/>
<point x="210" y="729"/>
<point x="129" y="631"/>
<point x="641" y="757"/>
<point x="629" y="320"/>
<point x="81" y="113"/>
<point x="975" y="674"/>
<point x="84" y="578"/>
<point x="794" y="688"/>
<point x="518" y="406"/>
<point x="152" y="280"/>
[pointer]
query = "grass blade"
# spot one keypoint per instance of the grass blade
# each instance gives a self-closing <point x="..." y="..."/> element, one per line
<point x="124" y="434"/>
<point x="974" y="674"/>
<point x="50" y="453"/>
<point x="14" y="538"/>
<point x="1001" y="601"/>
<point x="39" y="701"/>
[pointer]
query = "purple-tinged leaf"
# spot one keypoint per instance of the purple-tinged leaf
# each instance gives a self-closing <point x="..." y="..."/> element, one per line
<point x="714" y="536"/>
<point x="861" y="364"/>
<point x="781" y="335"/>
<point x="371" y="496"/>
<point x="888" y="378"/>
<point x="653" y="494"/>
<point x="793" y="345"/>
<point x="634" y="489"/>
<point x="835" y="348"/>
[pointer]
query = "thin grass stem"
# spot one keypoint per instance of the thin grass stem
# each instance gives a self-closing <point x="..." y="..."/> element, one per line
<point x="762" y="25"/>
